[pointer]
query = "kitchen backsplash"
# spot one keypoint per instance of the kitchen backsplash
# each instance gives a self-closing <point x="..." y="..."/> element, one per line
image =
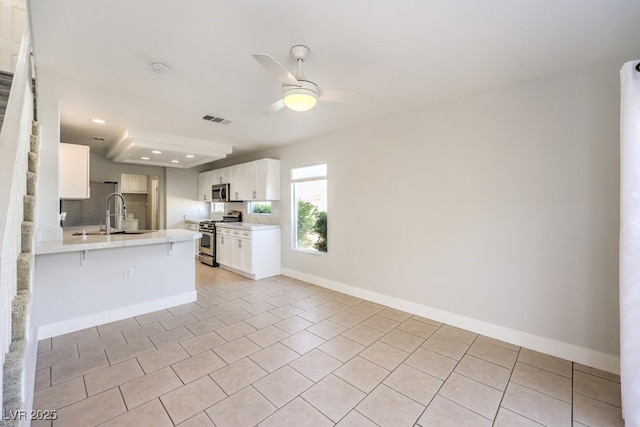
<point x="253" y="218"/>
<point x="242" y="207"/>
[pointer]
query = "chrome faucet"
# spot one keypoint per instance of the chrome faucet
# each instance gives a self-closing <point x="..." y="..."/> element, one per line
<point x="124" y="211"/>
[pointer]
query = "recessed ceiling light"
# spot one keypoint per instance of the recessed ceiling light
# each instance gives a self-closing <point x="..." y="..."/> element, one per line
<point x="156" y="152"/>
<point x="189" y="156"/>
<point x="99" y="121"/>
<point x="159" y="67"/>
<point x="175" y="161"/>
<point x="144" y="158"/>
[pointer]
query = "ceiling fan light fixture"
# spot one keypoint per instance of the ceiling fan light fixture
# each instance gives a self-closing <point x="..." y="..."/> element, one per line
<point x="300" y="98"/>
<point x="300" y="101"/>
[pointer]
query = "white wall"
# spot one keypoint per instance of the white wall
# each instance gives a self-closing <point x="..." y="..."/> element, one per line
<point x="163" y="275"/>
<point x="48" y="209"/>
<point x="501" y="208"/>
<point x="103" y="169"/>
<point x="182" y="197"/>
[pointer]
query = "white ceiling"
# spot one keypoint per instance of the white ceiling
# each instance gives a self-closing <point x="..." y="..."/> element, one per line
<point x="400" y="56"/>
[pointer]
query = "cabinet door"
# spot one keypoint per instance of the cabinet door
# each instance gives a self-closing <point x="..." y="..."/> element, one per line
<point x="224" y="250"/>
<point x="242" y="255"/>
<point x="214" y="176"/>
<point x="260" y="192"/>
<point x="267" y="186"/>
<point x="137" y="183"/>
<point x="272" y="179"/>
<point x="246" y="260"/>
<point x="237" y="182"/>
<point x="243" y="178"/>
<point x="220" y="176"/>
<point x="204" y="186"/>
<point x="224" y="175"/>
<point x="73" y="167"/>
<point x="133" y="183"/>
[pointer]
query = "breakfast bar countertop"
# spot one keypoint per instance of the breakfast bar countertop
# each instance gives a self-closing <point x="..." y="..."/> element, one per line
<point x="71" y="243"/>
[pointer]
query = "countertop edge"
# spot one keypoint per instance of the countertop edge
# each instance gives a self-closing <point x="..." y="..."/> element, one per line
<point x="85" y="243"/>
<point x="253" y="226"/>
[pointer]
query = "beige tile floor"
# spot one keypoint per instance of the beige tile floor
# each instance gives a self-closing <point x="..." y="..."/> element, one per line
<point x="281" y="352"/>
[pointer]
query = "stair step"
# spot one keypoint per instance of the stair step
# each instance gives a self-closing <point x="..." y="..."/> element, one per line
<point x="6" y="76"/>
<point x="31" y="183"/>
<point x="28" y="230"/>
<point x="34" y="143"/>
<point x="32" y="162"/>
<point x="29" y="208"/>
<point x="19" y="315"/>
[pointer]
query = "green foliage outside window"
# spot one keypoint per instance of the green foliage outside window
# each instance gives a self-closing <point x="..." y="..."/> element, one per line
<point x="320" y="229"/>
<point x="312" y="226"/>
<point x="261" y="207"/>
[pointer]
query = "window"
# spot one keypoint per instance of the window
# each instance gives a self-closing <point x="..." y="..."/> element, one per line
<point x="309" y="197"/>
<point x="259" y="208"/>
<point x="217" y="207"/>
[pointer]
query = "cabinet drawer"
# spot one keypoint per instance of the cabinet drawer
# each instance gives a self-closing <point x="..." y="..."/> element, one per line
<point x="224" y="231"/>
<point x="241" y="234"/>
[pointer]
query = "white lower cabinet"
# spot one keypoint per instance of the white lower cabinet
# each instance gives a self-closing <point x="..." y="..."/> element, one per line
<point x="253" y="251"/>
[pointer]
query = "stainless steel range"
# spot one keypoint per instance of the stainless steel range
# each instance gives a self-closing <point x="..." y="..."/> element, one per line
<point x="207" y="252"/>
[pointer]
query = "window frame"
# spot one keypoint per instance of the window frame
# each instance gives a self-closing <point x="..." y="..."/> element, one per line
<point x="294" y="204"/>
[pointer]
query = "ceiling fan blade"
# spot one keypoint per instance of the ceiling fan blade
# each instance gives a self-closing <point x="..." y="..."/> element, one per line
<point x="341" y="96"/>
<point x="276" y="69"/>
<point x="276" y="106"/>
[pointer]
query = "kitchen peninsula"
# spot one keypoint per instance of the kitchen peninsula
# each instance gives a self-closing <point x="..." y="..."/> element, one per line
<point x="88" y="280"/>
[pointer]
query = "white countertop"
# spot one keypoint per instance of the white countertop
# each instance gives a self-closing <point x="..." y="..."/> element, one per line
<point x="70" y="243"/>
<point x="252" y="226"/>
<point x="193" y="220"/>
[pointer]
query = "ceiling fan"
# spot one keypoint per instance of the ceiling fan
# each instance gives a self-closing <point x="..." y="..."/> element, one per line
<point x="298" y="93"/>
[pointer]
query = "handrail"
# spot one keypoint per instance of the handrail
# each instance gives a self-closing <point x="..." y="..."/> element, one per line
<point x="14" y="148"/>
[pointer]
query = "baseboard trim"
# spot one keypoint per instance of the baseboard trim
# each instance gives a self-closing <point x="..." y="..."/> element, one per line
<point x="76" y="324"/>
<point x="585" y="356"/>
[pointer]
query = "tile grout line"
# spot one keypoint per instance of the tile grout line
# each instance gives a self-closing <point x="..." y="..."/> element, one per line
<point x="507" y="386"/>
<point x="452" y="371"/>
<point x="332" y="298"/>
<point x="573" y="386"/>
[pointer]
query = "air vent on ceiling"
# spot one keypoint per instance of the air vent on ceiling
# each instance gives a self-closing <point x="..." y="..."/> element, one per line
<point x="98" y="138"/>
<point x="215" y="119"/>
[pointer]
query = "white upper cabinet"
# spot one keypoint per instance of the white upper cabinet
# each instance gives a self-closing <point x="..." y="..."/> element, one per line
<point x="204" y="186"/>
<point x="267" y="179"/>
<point x="221" y="176"/>
<point x="73" y="171"/>
<point x="257" y="180"/>
<point x="133" y="183"/>
<point x="243" y="181"/>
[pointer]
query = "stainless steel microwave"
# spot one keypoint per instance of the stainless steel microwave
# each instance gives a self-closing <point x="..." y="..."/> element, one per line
<point x="220" y="193"/>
